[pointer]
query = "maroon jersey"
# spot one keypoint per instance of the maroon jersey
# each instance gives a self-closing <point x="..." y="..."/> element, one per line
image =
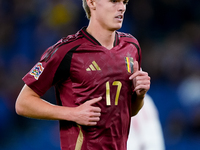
<point x="81" y="69"/>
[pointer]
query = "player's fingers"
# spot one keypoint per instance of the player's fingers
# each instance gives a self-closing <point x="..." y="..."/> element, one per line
<point x="135" y="69"/>
<point x="93" y="120"/>
<point x="142" y="80"/>
<point x="142" y="87"/>
<point x="95" y="100"/>
<point x="96" y="114"/>
<point x="135" y="66"/>
<point x="138" y="74"/>
<point x="96" y="109"/>
<point x="92" y="123"/>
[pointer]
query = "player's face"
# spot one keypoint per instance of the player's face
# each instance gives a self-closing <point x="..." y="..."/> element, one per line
<point x="110" y="13"/>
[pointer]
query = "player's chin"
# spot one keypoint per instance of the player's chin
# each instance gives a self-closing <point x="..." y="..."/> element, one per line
<point x="117" y="27"/>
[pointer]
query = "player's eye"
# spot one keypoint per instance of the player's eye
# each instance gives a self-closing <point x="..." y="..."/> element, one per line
<point x="114" y="1"/>
<point x="125" y="2"/>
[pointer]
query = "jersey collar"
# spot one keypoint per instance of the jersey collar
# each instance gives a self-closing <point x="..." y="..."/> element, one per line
<point x="94" y="41"/>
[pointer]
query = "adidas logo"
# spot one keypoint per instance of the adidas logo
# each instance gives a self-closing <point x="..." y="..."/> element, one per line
<point x="93" y="67"/>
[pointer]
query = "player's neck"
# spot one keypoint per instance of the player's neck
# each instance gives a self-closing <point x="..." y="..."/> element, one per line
<point x="103" y="36"/>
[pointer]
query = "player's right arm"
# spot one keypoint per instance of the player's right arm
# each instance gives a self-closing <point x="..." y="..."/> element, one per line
<point x="30" y="104"/>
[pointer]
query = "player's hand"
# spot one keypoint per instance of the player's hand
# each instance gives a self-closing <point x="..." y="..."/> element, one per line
<point x="141" y="80"/>
<point x="86" y="114"/>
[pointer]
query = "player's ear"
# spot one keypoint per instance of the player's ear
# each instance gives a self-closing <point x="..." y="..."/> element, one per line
<point x="91" y="4"/>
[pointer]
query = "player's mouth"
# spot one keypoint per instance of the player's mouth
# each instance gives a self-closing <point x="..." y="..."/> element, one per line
<point x="119" y="17"/>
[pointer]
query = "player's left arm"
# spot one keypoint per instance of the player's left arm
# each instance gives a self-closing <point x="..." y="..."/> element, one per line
<point x="141" y="84"/>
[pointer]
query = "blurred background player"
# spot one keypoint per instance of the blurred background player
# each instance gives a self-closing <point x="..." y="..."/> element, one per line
<point x="145" y="129"/>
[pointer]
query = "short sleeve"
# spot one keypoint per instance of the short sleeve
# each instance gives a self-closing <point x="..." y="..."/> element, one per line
<point x="40" y="77"/>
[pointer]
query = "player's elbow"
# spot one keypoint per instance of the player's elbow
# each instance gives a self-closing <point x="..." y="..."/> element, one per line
<point x="19" y="108"/>
<point x="22" y="104"/>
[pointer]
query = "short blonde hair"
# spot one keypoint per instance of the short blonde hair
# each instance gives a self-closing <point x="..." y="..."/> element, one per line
<point x="87" y="9"/>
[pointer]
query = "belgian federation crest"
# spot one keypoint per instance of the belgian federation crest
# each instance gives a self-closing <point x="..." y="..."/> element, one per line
<point x="37" y="71"/>
<point x="129" y="64"/>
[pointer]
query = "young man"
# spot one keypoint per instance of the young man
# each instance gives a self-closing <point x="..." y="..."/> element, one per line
<point x="97" y="79"/>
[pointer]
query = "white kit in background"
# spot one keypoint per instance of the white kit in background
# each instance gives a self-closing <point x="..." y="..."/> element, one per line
<point x="145" y="129"/>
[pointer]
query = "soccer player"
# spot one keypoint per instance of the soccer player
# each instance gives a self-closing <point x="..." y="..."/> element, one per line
<point x="97" y="78"/>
